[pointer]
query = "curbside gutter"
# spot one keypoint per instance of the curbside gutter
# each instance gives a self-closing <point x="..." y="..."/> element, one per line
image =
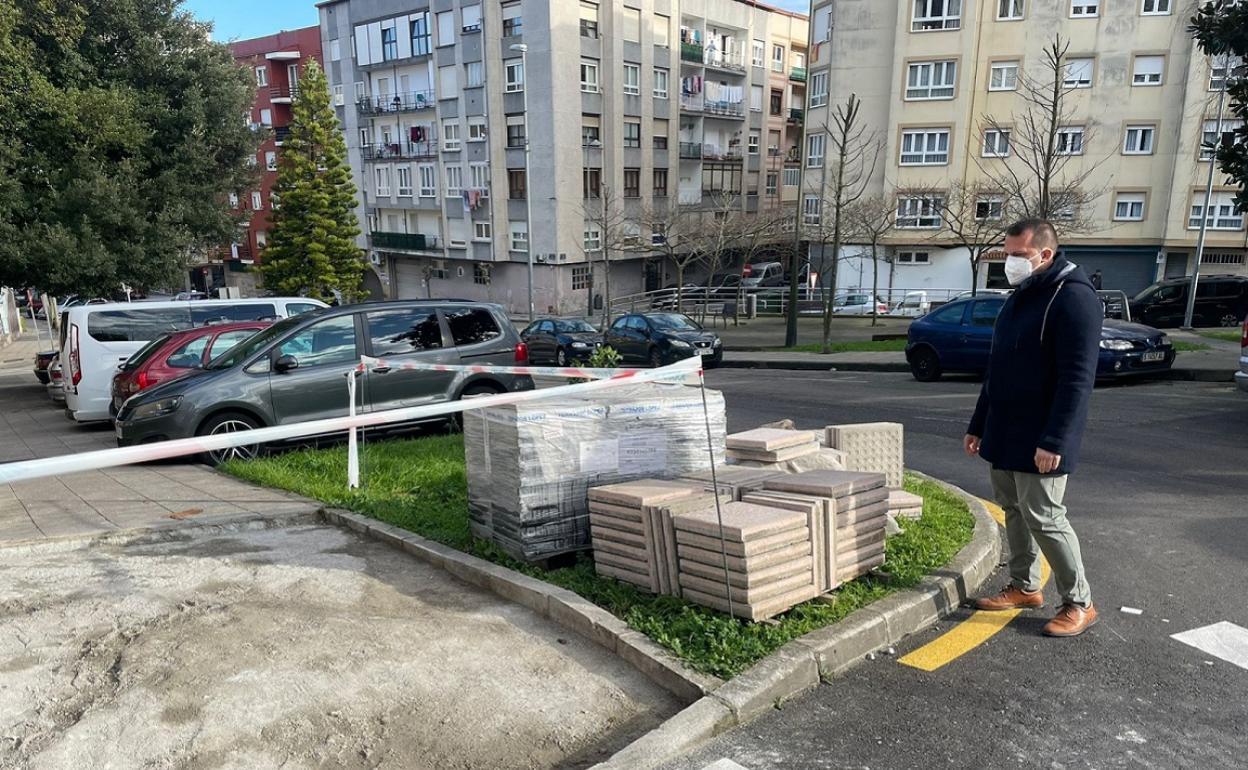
<point x="1174" y="374"/>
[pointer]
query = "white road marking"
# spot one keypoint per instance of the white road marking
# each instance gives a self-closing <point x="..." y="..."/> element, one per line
<point x="724" y="764"/>
<point x="1223" y="640"/>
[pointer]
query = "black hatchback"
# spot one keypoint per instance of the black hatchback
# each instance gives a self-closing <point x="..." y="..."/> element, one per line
<point x="658" y="339"/>
<point x="1221" y="300"/>
<point x="560" y="341"/>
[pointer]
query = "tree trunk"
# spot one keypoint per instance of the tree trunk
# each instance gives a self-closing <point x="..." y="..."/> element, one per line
<point x="606" y="285"/>
<point x="875" y="284"/>
<point x="831" y="298"/>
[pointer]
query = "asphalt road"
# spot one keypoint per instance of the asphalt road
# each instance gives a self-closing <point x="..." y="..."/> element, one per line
<point x="1159" y="504"/>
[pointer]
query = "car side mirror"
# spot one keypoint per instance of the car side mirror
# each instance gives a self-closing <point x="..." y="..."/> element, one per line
<point x="285" y="364"/>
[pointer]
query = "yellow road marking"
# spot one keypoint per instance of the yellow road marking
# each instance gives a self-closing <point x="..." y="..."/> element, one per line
<point x="972" y="632"/>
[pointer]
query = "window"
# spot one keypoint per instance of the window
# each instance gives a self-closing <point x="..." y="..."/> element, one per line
<point x="791" y="176"/>
<point x="446" y="28"/>
<point x="389" y="43"/>
<point x="818" y="89"/>
<point x="985" y="312"/>
<point x="1003" y="76"/>
<point x="936" y="14"/>
<point x="479" y="176"/>
<point x="592" y="179"/>
<point x="996" y="143"/>
<point x="1220" y="258"/>
<point x="660" y="183"/>
<point x="581" y="278"/>
<point x="515" y="131"/>
<point x="331" y="341"/>
<point x="335" y="50"/>
<point x="1084" y="9"/>
<point x="404" y="177"/>
<point x="591" y="131"/>
<point x="266" y="117"/>
<point x="989" y="208"/>
<point x="660" y="83"/>
<point x="589" y="76"/>
<point x="758" y="52"/>
<point x="1070" y="140"/>
<point x="448" y="82"/>
<point x="721" y="178"/>
<point x="513" y="70"/>
<point x="262" y="76"/>
<point x="631" y="20"/>
<point x="1155" y="8"/>
<point x="428" y="180"/>
<point x="1063" y="212"/>
<point x="660" y="26"/>
<point x="1129" y="207"/>
<point x="517" y="184"/>
<point x="777" y="102"/>
<point x="233" y="200"/>
<point x="632" y="134"/>
<point x="383" y="180"/>
<point x="519" y="232"/>
<point x="772" y="184"/>
<point x="1209" y="139"/>
<point x="632" y="183"/>
<point x="472" y="326"/>
<point x="1078" y="73"/>
<point x="658" y="234"/>
<point x="1139" y="140"/>
<point x="925" y="147"/>
<point x="810" y="210"/>
<point x="256" y="202"/>
<point x="660" y="134"/>
<point x="777" y="58"/>
<point x="593" y="238"/>
<point x="472" y="18"/>
<point x="474" y="74"/>
<point x="914" y="258"/>
<point x="454" y="181"/>
<point x="756" y="98"/>
<point x="361" y="92"/>
<point x="340" y="97"/>
<point x="919" y="212"/>
<point x="753" y="144"/>
<point x="931" y="80"/>
<point x="395" y="332"/>
<point x="477" y="131"/>
<point x="1217" y="71"/>
<point x="589" y="20"/>
<point x="420" y="35"/>
<point x="814" y="150"/>
<point x="270" y="160"/>
<point x="1009" y="10"/>
<point x="513" y="23"/>
<point x="481" y="231"/>
<point x="450" y="136"/>
<point x="1222" y="212"/>
<point x="1148" y="70"/>
<point x="632" y="79"/>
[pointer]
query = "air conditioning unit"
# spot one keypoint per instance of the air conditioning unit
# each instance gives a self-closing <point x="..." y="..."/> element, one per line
<point x="375" y="258"/>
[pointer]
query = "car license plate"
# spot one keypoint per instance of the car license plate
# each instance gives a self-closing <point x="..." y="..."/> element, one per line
<point x="704" y="351"/>
<point x="1153" y="356"/>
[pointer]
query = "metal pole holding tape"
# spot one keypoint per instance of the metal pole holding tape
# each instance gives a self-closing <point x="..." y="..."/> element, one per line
<point x="353" y="449"/>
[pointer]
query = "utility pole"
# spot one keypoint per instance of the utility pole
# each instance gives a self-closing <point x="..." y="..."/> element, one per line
<point x="1204" y="212"/>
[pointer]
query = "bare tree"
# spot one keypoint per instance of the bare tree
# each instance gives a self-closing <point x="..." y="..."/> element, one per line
<point x="868" y="220"/>
<point x="675" y="234"/>
<point x="973" y="216"/>
<point x="606" y="215"/>
<point x="1038" y="159"/>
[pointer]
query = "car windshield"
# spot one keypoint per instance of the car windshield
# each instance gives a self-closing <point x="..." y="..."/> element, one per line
<point x="245" y="349"/>
<point x="674" y="321"/>
<point x="573" y="327"/>
<point x="1146" y="293"/>
<point x="147" y="351"/>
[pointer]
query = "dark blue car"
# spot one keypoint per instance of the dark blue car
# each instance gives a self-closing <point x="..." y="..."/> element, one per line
<point x="957" y="337"/>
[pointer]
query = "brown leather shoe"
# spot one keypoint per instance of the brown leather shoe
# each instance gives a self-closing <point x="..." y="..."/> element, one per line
<point x="1012" y="598"/>
<point x="1071" y="620"/>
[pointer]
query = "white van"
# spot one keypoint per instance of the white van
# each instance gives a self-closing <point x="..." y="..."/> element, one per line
<point x="96" y="338"/>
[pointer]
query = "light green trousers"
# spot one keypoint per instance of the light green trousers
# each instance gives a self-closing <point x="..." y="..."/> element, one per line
<point x="1035" y="523"/>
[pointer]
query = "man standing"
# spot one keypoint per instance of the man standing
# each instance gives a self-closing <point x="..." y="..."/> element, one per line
<point x="1096" y="279"/>
<point x="1030" y="418"/>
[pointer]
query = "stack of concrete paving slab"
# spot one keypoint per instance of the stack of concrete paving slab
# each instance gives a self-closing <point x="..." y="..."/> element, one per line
<point x="768" y="445"/>
<point x="876" y="447"/>
<point x="767" y="552"/>
<point x="904" y="504"/>
<point x="736" y="480"/>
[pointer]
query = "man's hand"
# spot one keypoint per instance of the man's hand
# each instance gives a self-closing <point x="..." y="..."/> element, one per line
<point x="1046" y="461"/>
<point x="971" y="445"/>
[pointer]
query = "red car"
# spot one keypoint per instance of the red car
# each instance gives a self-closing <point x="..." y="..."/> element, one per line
<point x="176" y="354"/>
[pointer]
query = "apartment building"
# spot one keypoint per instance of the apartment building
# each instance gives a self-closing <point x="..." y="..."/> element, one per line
<point x="276" y="62"/>
<point x="481" y="133"/>
<point x="1142" y="99"/>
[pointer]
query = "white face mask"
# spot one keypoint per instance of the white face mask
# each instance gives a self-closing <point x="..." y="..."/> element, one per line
<point x="1017" y="269"/>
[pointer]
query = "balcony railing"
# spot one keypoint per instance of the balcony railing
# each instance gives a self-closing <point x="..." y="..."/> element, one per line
<point x="726" y="109"/>
<point x="796" y="115"/>
<point x="281" y="134"/>
<point x="798" y="74"/>
<point x="282" y="92"/>
<point x="724" y="61"/>
<point x="691" y="150"/>
<point x="692" y="52"/>
<point x="404" y="241"/>
<point x="711" y="152"/>
<point x="400" y="151"/>
<point x="690" y="103"/>
<point x="242" y="253"/>
<point x="411" y="101"/>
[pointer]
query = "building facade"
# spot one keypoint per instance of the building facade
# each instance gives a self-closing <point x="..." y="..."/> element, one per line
<point x="939" y="82"/>
<point x="482" y="132"/>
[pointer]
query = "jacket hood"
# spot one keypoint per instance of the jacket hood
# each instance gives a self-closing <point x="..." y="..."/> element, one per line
<point x="1062" y="270"/>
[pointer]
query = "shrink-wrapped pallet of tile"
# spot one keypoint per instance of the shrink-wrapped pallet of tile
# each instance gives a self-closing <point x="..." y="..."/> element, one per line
<point x="530" y="465"/>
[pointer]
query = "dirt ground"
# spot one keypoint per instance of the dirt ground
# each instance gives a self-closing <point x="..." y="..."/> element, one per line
<point x="306" y="646"/>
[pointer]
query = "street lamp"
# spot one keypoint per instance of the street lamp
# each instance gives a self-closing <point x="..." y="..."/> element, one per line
<point x="528" y="177"/>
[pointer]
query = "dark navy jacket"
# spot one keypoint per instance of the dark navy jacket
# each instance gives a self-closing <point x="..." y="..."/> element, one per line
<point x="1041" y="371"/>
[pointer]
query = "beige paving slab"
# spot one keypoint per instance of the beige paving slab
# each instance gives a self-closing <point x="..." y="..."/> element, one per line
<point x="755" y="595"/>
<point x="635" y="494"/>
<point x="740" y="521"/>
<point x="770" y="439"/>
<point x="94" y="485"/>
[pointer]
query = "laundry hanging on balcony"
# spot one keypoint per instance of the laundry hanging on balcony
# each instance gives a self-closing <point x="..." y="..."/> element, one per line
<point x="691" y="85"/>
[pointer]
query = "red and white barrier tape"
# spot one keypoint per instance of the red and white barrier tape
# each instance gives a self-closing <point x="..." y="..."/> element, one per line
<point x="25" y="470"/>
<point x="586" y="373"/>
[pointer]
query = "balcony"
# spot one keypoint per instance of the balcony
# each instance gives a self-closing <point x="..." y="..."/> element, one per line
<point x="724" y="109"/>
<point x="733" y="62"/>
<point x="282" y="94"/>
<point x="412" y="101"/>
<point x="692" y="52"/>
<point x="796" y="115"/>
<point x="690" y="150"/>
<point x="712" y="152"/>
<point x="798" y="74"/>
<point x="281" y="134"/>
<point x="691" y="103"/>
<point x="400" y="151"/>
<point x="404" y="241"/>
<point x="242" y="253"/>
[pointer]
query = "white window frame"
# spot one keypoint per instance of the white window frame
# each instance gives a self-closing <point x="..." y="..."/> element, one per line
<point x="592" y="238"/>
<point x="1069" y="149"/>
<point x="1229" y="63"/>
<point x="994" y="202"/>
<point x="257" y="200"/>
<point x="450" y="136"/>
<point x="1085" y="9"/>
<point x="661" y="79"/>
<point x="919" y="212"/>
<point x="1148" y="77"/>
<point x="815" y="144"/>
<point x="1208" y="135"/>
<point x="916" y="145"/>
<point x="482" y="231"/>
<point x="262" y="77"/>
<point x="1008" y="74"/>
<point x="1139" y="133"/>
<point x="477" y="130"/>
<point x="1155" y="8"/>
<point x="479" y="176"/>
<point x="924" y="17"/>
<point x="513" y="76"/>
<point x="403" y="181"/>
<point x="270" y="160"/>
<point x="791" y="176"/>
<point x="1224" y="216"/>
<point x="474" y="74"/>
<point x="266" y="117"/>
<point x="946" y="69"/>
<point x="752" y="144"/>
<point x="427" y="174"/>
<point x="758" y="53"/>
<point x="518" y="236"/>
<point x="361" y="91"/>
<point x="993" y="139"/>
<point x="1071" y="80"/>
<point x="632" y="72"/>
<point x="340" y="97"/>
<point x="777" y="57"/>
<point x="818" y="90"/>
<point x="1131" y="200"/>
<point x="382" y="177"/>
<point x="335" y="50"/>
<point x="454" y="181"/>
<point x="1011" y="10"/>
<point x="811" y="210"/>
<point x="590" y="84"/>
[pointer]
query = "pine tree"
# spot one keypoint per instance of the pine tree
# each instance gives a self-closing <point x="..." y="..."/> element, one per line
<point x="311" y="249"/>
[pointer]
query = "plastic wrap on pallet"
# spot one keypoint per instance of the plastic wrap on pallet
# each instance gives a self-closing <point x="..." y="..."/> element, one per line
<point x="530" y="465"/>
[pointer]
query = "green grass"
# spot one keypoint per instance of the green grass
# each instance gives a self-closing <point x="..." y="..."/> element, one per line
<point x="1225" y="336"/>
<point x="859" y="346"/>
<point x="1190" y="347"/>
<point x="420" y="485"/>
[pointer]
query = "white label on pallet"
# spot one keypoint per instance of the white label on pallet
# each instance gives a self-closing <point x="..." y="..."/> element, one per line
<point x="600" y="456"/>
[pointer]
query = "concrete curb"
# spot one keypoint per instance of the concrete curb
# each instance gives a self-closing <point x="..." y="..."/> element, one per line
<point x="820" y="655"/>
<point x="557" y="604"/>
<point x="795" y="365"/>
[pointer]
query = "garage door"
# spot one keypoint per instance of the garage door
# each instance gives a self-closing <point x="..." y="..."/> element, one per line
<point x="1123" y="272"/>
<point x="409" y="279"/>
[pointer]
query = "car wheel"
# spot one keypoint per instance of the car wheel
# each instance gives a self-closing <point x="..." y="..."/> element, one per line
<point x="1229" y="320"/>
<point x="656" y="358"/>
<point x="229" y="422"/>
<point x="925" y="365"/>
<point x="561" y="357"/>
<point x="456" y="420"/>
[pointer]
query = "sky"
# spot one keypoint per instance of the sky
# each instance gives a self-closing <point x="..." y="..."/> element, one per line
<point x="239" y="19"/>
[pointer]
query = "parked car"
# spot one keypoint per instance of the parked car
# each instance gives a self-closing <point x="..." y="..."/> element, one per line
<point x="1221" y="300"/>
<point x="1241" y="377"/>
<point x="957" y="337"/>
<point x="658" y="339"/>
<point x="56" y="382"/>
<point x="560" y="340"/>
<point x="759" y="274"/>
<point x="912" y="305"/>
<point x="96" y="338"/>
<point x="43" y="359"/>
<point x="295" y="370"/>
<point x="177" y="354"/>
<point x="858" y="304"/>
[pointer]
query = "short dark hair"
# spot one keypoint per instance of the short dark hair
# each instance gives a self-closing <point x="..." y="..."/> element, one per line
<point x="1043" y="234"/>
